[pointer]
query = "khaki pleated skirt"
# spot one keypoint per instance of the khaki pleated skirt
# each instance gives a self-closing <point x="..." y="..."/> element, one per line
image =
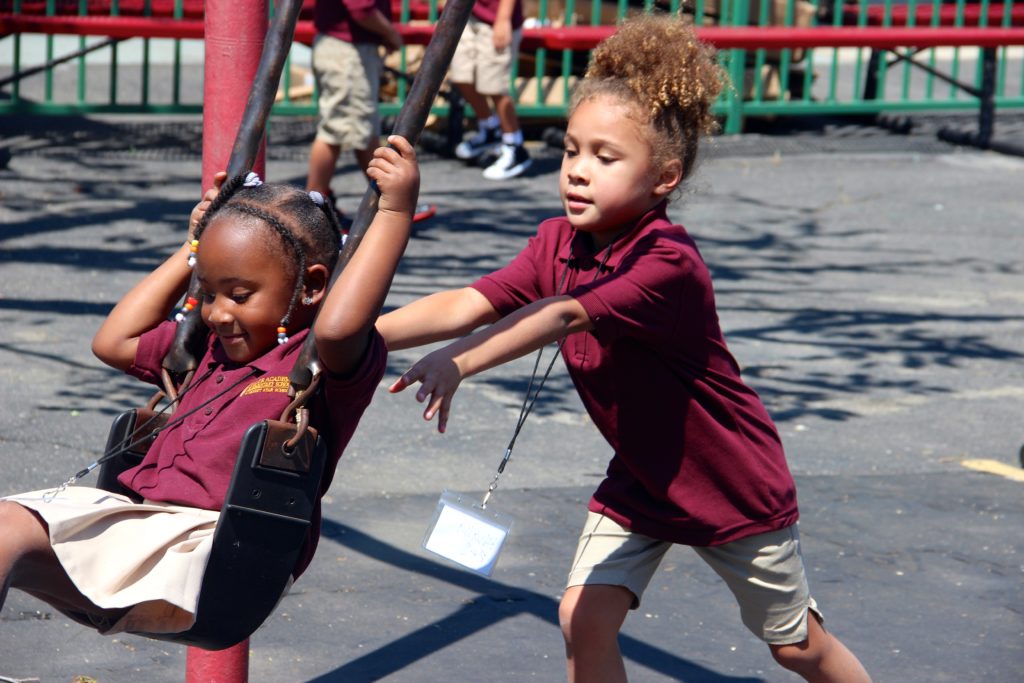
<point x="149" y="557"/>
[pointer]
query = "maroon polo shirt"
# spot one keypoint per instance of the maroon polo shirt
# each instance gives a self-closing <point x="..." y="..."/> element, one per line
<point x="487" y="10"/>
<point x="335" y="18"/>
<point x="696" y="459"/>
<point x="191" y="462"/>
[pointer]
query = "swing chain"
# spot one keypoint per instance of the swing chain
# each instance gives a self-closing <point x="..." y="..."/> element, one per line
<point x="301" y="411"/>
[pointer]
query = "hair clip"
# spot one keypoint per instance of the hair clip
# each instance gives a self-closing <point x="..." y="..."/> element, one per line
<point x="252" y="179"/>
<point x="317" y="198"/>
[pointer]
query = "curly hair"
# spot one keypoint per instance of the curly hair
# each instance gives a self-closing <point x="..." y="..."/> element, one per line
<point x="657" y="64"/>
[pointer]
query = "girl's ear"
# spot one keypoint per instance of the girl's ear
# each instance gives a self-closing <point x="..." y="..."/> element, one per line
<point x="669" y="178"/>
<point x="316" y="280"/>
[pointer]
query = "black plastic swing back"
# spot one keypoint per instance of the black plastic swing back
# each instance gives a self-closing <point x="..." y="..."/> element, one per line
<point x="260" y="531"/>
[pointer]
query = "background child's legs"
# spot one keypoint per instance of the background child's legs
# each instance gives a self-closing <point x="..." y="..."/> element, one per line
<point x="27" y="562"/>
<point x="766" y="576"/>
<point x="505" y="107"/>
<point x="323" y="159"/>
<point x="348" y="77"/>
<point x="478" y="103"/>
<point x="610" y="572"/>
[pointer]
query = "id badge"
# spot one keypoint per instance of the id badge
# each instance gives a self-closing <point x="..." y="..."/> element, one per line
<point x="465" y="533"/>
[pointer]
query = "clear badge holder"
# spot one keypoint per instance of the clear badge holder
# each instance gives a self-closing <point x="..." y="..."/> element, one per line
<point x="466" y="533"/>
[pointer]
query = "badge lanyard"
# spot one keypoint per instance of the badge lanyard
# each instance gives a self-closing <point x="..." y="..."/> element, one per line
<point x="468" y="533"/>
<point x="528" y="401"/>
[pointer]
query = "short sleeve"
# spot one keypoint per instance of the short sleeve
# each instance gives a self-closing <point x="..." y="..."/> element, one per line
<point x="643" y="297"/>
<point x="149" y="356"/>
<point x="515" y="285"/>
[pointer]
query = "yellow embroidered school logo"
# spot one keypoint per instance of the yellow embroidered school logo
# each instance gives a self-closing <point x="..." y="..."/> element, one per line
<point x="268" y="385"/>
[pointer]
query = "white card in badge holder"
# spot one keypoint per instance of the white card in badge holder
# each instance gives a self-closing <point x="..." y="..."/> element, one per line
<point x="465" y="533"/>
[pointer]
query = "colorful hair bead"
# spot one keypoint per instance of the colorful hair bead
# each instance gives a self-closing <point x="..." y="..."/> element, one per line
<point x="282" y="335"/>
<point x="190" y="303"/>
<point x="193" y="250"/>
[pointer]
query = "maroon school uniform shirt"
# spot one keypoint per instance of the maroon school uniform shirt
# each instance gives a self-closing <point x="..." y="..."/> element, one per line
<point x="487" y="10"/>
<point x="335" y="18"/>
<point x="696" y="459"/>
<point x="191" y="463"/>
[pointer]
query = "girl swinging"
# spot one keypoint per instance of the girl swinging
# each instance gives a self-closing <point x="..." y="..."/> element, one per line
<point x="263" y="255"/>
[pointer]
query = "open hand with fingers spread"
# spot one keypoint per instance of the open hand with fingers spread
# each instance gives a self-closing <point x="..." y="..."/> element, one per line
<point x="439" y="377"/>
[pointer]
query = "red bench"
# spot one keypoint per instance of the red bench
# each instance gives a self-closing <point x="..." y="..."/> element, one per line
<point x="924" y="15"/>
<point x="191" y="9"/>
<point x="567" y="38"/>
<point x="586" y="37"/>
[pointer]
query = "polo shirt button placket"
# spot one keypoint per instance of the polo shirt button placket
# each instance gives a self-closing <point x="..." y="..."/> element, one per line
<point x="208" y="411"/>
<point x="220" y="378"/>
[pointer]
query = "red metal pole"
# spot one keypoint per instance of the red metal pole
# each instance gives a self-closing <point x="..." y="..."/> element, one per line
<point x="220" y="666"/>
<point x="234" y="34"/>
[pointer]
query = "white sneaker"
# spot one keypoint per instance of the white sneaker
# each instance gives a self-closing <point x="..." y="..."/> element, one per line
<point x="482" y="141"/>
<point x="513" y="160"/>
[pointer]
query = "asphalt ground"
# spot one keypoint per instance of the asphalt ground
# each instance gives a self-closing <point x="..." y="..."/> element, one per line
<point x="868" y="283"/>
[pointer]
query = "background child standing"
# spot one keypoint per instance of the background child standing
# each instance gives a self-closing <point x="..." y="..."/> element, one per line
<point x="263" y="260"/>
<point x="697" y="460"/>
<point x="481" y="69"/>
<point x="348" y="66"/>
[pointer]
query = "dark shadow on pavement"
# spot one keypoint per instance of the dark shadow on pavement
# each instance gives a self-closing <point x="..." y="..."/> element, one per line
<point x="496" y="602"/>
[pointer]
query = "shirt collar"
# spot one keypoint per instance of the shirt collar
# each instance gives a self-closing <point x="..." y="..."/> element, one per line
<point x="583" y="256"/>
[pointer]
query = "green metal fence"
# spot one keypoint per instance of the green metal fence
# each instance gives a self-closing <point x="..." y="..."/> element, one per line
<point x="165" y="76"/>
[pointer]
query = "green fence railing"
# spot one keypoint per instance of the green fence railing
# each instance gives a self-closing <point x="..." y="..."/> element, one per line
<point x="151" y="75"/>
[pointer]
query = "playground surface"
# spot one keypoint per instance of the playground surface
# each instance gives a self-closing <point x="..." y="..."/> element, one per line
<point x="868" y="283"/>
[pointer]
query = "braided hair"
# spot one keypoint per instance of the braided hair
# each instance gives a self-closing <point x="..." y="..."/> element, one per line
<point x="308" y="229"/>
<point x="657" y="65"/>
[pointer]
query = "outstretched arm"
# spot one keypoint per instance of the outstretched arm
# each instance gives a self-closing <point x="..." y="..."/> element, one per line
<point x="438" y="317"/>
<point x="347" y="316"/>
<point x="517" y="334"/>
<point x="150" y="302"/>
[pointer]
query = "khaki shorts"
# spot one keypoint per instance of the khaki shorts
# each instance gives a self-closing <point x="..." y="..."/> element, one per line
<point x="764" y="572"/>
<point x="149" y="557"/>
<point x="348" y="77"/>
<point x="477" y="62"/>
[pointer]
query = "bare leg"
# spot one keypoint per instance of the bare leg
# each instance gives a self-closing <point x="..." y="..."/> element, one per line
<point x="477" y="102"/>
<point x="28" y="562"/>
<point x="591" y="617"/>
<point x="821" y="658"/>
<point x="323" y="158"/>
<point x="506" y="109"/>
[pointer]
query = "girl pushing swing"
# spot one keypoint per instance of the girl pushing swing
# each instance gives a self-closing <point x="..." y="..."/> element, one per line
<point x="263" y="255"/>
<point x="697" y="460"/>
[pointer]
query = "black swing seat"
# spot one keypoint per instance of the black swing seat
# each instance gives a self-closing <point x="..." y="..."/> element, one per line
<point x="261" y="529"/>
